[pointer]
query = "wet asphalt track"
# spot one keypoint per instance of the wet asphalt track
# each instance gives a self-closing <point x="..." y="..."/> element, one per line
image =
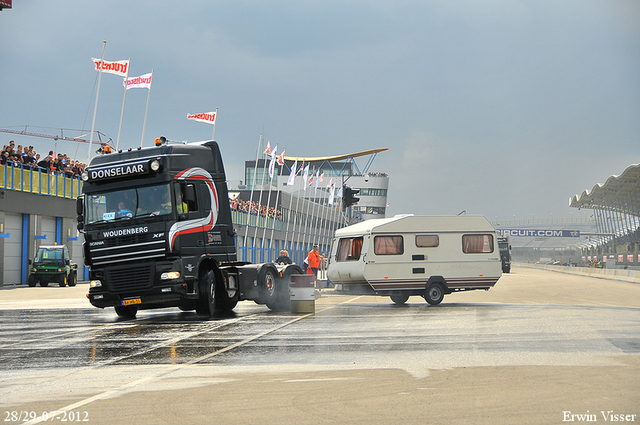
<point x="79" y="358"/>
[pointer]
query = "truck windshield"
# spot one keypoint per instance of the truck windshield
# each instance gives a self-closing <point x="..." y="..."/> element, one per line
<point x="128" y="203"/>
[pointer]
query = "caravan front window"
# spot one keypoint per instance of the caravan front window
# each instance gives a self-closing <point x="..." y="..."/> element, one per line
<point x="349" y="249"/>
<point x="388" y="245"/>
<point x="473" y="244"/>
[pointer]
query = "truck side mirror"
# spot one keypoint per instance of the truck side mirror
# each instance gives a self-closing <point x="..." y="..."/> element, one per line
<point x="79" y="206"/>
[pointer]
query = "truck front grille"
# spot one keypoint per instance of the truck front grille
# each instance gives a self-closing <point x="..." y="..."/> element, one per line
<point x="118" y="250"/>
<point x="125" y="279"/>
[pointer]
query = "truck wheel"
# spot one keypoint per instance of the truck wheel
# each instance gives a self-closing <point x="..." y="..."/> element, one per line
<point x="206" y="303"/>
<point x="126" y="311"/>
<point x="434" y="294"/>
<point x="62" y="281"/>
<point x="399" y="299"/>
<point x="228" y="298"/>
<point x="270" y="290"/>
<point x="32" y="281"/>
<point x="44" y="284"/>
<point x="72" y="279"/>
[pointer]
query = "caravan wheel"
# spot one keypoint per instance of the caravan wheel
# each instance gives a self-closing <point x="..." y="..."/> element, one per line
<point x="399" y="299"/>
<point x="434" y="294"/>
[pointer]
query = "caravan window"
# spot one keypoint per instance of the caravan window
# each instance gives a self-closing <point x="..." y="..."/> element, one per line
<point x="427" y="241"/>
<point x="349" y="249"/>
<point x="473" y="244"/>
<point x="388" y="245"/>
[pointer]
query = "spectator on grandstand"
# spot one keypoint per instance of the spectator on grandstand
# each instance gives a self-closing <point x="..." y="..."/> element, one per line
<point x="45" y="164"/>
<point x="29" y="159"/>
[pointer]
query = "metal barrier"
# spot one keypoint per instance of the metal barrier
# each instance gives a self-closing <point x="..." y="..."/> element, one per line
<point x="39" y="181"/>
<point x="242" y="218"/>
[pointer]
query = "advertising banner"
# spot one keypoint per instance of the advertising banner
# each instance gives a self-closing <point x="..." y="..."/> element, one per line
<point x="534" y="233"/>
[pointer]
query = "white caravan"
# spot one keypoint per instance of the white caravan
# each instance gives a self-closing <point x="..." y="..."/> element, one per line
<point x="415" y="255"/>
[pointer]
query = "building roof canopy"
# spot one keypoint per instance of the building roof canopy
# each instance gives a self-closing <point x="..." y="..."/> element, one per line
<point x="336" y="157"/>
<point x="621" y="193"/>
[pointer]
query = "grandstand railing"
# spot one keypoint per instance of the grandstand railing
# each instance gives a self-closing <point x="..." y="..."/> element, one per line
<point x="39" y="181"/>
<point x="43" y="182"/>
<point x="243" y="219"/>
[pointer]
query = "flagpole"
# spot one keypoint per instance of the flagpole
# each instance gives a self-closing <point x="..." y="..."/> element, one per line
<point x="313" y="211"/>
<point x="124" y="97"/>
<point x="275" y="218"/>
<point x="275" y="209"/>
<point x="213" y="136"/>
<point x="255" y="172"/>
<point x="307" y="224"/>
<point x="146" y="111"/>
<point x="286" y="233"/>
<point x="295" y="217"/>
<point x="95" y="108"/>
<point x="255" y="234"/>
<point x="323" y="213"/>
<point x="266" y="217"/>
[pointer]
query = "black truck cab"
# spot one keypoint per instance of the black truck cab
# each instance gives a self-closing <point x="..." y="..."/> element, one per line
<point x="158" y="233"/>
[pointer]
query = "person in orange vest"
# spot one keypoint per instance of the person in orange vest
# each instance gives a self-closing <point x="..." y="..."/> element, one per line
<point x="314" y="258"/>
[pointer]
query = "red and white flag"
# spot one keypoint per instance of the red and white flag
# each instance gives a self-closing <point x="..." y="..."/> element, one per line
<point x="118" y="67"/>
<point x="281" y="158"/>
<point x="141" y="82"/>
<point x="208" y="117"/>
<point x="267" y="150"/>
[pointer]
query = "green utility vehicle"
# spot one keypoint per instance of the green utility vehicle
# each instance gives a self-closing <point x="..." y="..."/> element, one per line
<point x="53" y="264"/>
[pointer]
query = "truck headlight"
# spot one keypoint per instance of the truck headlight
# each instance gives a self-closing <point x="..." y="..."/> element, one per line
<point x="95" y="284"/>
<point x="170" y="275"/>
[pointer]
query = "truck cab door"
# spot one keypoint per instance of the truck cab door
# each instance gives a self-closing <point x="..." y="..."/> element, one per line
<point x="186" y="234"/>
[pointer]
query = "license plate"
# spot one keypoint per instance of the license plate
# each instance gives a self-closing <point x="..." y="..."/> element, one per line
<point x="132" y="301"/>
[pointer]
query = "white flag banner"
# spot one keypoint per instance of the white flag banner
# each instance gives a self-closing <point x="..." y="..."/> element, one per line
<point x="141" y="82"/>
<point x="118" y="67"/>
<point x="332" y="189"/>
<point x="208" y="117"/>
<point x="305" y="177"/>
<point x="272" y="164"/>
<point x="292" y="176"/>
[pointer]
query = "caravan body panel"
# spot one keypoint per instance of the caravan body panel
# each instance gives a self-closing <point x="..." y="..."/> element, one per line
<point x="406" y="253"/>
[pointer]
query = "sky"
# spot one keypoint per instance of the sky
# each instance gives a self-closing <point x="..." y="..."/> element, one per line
<point x="498" y="108"/>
